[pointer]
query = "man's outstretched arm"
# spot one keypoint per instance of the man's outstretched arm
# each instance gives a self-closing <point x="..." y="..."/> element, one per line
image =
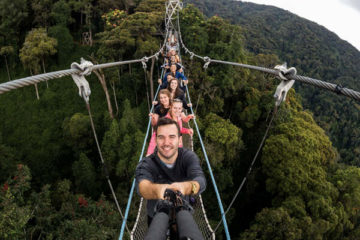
<point x="150" y="190"/>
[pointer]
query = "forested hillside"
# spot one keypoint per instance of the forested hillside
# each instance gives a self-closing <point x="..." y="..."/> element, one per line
<point x="315" y="52"/>
<point x="53" y="185"/>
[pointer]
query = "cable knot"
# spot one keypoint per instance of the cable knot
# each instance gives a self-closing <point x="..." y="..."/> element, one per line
<point x="191" y="55"/>
<point x="207" y="61"/>
<point x="284" y="72"/>
<point x="144" y="61"/>
<point x="85" y="68"/>
<point x="157" y="55"/>
<point x="282" y="89"/>
<point x="338" y="89"/>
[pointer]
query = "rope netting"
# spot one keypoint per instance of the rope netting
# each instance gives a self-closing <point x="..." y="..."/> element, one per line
<point x="141" y="225"/>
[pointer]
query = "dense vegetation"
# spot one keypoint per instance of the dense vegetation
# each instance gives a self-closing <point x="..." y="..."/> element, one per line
<point x="53" y="185"/>
<point x="315" y="52"/>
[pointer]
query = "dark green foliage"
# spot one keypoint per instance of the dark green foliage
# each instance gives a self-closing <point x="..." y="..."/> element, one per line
<point x="85" y="175"/>
<point x="64" y="39"/>
<point x="12" y="15"/>
<point x="314" y="51"/>
<point x="61" y="13"/>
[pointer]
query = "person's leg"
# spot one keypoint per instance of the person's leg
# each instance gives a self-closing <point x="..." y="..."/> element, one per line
<point x="149" y="220"/>
<point x="158" y="227"/>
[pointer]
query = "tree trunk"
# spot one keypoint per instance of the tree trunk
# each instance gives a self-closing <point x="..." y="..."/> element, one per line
<point x="37" y="91"/>
<point x="130" y="69"/>
<point x="115" y="97"/>
<point x="36" y="88"/>
<point x="7" y="67"/>
<point x="43" y="65"/>
<point x="101" y="77"/>
<point x="136" y="98"/>
<point x="151" y="79"/>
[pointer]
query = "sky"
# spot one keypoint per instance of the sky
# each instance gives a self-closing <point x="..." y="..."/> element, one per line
<point x="339" y="16"/>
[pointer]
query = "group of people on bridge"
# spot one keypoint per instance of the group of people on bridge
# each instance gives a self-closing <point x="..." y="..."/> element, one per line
<point x="170" y="175"/>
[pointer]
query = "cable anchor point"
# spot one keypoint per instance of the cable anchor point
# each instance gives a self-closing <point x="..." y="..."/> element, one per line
<point x="192" y="55"/>
<point x="285" y="75"/>
<point x="85" y="68"/>
<point x="207" y="62"/>
<point x="144" y="61"/>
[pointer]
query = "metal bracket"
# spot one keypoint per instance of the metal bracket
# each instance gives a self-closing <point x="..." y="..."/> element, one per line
<point x="144" y="61"/>
<point x="79" y="78"/>
<point x="191" y="55"/>
<point x="282" y="89"/>
<point x="284" y="72"/>
<point x="207" y="62"/>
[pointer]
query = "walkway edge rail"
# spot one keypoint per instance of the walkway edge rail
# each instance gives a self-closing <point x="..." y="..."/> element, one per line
<point x="131" y="194"/>
<point x="227" y="234"/>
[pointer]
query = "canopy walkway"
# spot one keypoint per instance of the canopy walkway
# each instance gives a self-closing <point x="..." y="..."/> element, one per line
<point x="79" y="71"/>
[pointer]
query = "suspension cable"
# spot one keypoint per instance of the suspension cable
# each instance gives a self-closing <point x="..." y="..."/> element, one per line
<point x="311" y="81"/>
<point x="223" y="218"/>
<point x="274" y="113"/>
<point x="133" y="183"/>
<point x="210" y="171"/>
<point x="106" y="171"/>
<point x="142" y="152"/>
<point x="22" y="82"/>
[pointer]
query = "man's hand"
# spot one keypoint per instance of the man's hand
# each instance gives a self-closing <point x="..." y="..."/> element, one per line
<point x="159" y="81"/>
<point x="162" y="188"/>
<point x="180" y="186"/>
<point x="186" y="82"/>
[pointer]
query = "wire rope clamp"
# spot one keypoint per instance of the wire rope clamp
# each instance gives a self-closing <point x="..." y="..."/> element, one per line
<point x="157" y="55"/>
<point x="144" y="61"/>
<point x="191" y="55"/>
<point x="207" y="62"/>
<point x="85" y="68"/>
<point x="285" y="75"/>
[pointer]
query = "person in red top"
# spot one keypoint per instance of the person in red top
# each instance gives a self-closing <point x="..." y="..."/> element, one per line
<point x="177" y="115"/>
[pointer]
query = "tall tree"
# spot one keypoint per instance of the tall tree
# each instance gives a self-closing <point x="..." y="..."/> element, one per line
<point x="12" y="15"/>
<point x="36" y="48"/>
<point x="42" y="12"/>
<point x="7" y="51"/>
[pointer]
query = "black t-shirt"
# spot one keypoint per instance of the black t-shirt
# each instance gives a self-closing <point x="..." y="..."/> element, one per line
<point x="186" y="168"/>
<point x="157" y="110"/>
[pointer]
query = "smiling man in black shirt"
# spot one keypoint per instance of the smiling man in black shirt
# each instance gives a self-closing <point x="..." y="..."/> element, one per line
<point x="169" y="167"/>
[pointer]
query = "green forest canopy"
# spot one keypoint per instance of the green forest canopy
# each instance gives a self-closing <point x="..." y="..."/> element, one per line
<point x="52" y="181"/>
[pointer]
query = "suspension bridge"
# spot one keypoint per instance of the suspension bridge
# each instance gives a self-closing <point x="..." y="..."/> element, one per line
<point x="287" y="77"/>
